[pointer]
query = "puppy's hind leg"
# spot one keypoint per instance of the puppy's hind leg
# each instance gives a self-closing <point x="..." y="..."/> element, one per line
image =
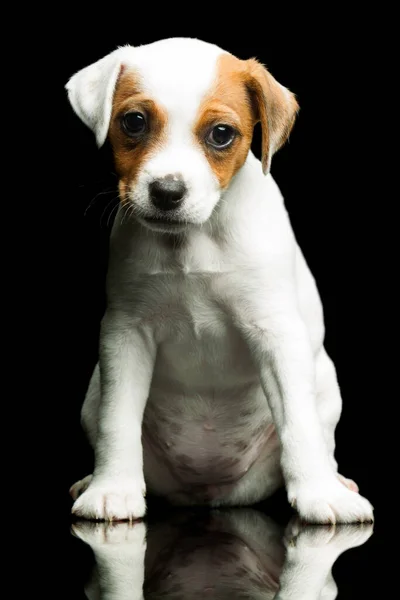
<point x="89" y="425"/>
<point x="80" y="486"/>
<point x="90" y="408"/>
<point x="330" y="408"/>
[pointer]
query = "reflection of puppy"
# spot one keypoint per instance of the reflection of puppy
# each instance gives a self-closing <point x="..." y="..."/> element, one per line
<point x="213" y="381"/>
<point x="311" y="554"/>
<point x="119" y="560"/>
<point x="230" y="553"/>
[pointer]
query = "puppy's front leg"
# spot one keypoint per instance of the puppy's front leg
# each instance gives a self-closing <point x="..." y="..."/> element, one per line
<point x="281" y="348"/>
<point x="127" y="356"/>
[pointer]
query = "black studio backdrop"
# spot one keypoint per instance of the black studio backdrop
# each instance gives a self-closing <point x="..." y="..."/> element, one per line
<point x="318" y="172"/>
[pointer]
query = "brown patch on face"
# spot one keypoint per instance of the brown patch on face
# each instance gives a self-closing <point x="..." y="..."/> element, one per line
<point x="227" y="103"/>
<point x="130" y="153"/>
<point x="244" y="94"/>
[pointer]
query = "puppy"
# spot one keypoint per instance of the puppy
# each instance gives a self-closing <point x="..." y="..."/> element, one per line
<point x="213" y="385"/>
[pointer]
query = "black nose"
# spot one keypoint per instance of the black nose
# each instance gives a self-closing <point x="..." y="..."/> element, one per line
<point x="167" y="192"/>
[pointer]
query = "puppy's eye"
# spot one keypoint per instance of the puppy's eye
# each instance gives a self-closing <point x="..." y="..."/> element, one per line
<point x="221" y="136"/>
<point x="134" y="123"/>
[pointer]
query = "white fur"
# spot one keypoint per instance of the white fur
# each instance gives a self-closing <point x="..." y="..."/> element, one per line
<point x="195" y="334"/>
<point x="91" y="90"/>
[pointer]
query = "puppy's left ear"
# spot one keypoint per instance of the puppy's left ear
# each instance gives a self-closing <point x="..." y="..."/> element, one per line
<point x="91" y="91"/>
<point x="275" y="107"/>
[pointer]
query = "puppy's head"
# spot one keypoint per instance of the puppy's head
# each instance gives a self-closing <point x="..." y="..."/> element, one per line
<point x="180" y="115"/>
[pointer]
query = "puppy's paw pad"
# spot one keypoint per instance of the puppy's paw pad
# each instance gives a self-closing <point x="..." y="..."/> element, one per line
<point x="111" y="502"/>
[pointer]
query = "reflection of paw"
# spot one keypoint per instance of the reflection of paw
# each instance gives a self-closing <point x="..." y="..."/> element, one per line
<point x="120" y="500"/>
<point x="98" y="535"/>
<point x="80" y="486"/>
<point x="119" y="550"/>
<point x="339" y="538"/>
<point x="328" y="501"/>
<point x="311" y="553"/>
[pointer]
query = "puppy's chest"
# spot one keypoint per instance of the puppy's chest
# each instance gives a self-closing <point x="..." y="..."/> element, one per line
<point x="181" y="306"/>
<point x="197" y="340"/>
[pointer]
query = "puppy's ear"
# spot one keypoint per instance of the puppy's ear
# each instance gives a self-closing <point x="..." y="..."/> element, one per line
<point x="275" y="107"/>
<point x="91" y="90"/>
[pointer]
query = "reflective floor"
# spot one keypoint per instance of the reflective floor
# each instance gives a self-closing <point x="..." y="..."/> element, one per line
<point x="235" y="553"/>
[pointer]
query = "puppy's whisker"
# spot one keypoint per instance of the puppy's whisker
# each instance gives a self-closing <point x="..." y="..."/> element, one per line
<point x="99" y="181"/>
<point x="129" y="210"/>
<point x="96" y="197"/>
<point x="106" y="208"/>
<point x="115" y="208"/>
<point x="126" y="210"/>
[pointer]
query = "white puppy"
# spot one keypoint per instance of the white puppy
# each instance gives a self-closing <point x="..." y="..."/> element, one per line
<point x="213" y="384"/>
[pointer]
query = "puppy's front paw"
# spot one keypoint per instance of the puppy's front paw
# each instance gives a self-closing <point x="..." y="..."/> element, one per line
<point x="108" y="500"/>
<point x="329" y="502"/>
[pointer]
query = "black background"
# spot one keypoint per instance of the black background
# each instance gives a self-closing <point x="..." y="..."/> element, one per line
<point x="323" y="173"/>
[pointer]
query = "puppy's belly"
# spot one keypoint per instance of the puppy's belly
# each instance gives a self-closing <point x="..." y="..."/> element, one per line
<point x="199" y="446"/>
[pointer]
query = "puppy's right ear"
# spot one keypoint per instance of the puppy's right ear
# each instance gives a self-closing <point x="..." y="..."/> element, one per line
<point x="276" y="109"/>
<point x="91" y="90"/>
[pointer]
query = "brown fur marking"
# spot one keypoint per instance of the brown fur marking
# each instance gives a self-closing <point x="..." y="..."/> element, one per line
<point x="129" y="154"/>
<point x="227" y="103"/>
<point x="244" y="94"/>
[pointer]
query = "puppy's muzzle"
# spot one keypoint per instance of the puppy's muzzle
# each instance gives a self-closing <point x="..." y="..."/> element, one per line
<point x="167" y="193"/>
